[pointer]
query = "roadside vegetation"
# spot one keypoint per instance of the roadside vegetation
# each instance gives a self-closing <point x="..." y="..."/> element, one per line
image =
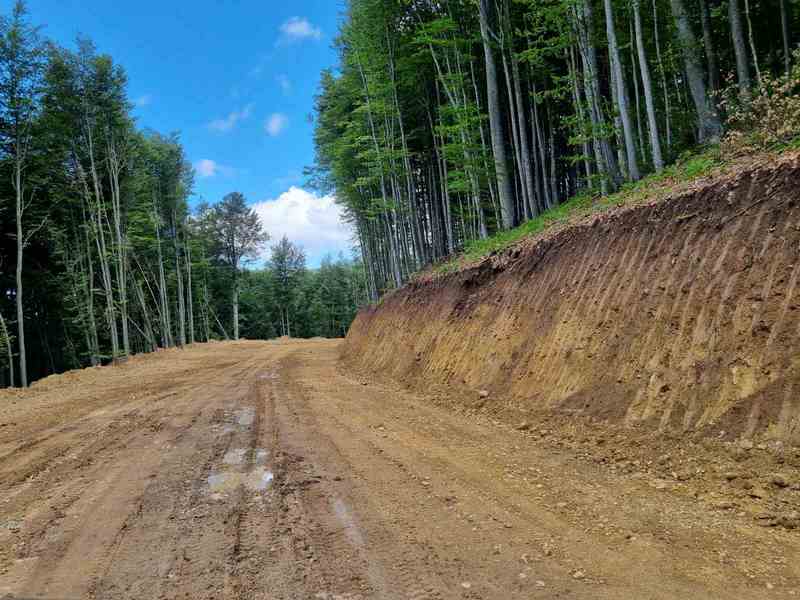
<point x="458" y="127"/>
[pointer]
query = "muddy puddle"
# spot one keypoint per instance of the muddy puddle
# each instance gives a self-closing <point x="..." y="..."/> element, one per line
<point x="256" y="480"/>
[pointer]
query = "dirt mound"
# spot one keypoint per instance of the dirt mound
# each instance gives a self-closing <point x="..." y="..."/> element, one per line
<point x="681" y="315"/>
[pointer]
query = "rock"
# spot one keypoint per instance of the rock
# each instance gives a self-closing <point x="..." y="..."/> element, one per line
<point x="746" y="444"/>
<point x="483" y="394"/>
<point x="524" y="426"/>
<point x="578" y="575"/>
<point x="466" y="585"/>
<point x="790" y="520"/>
<point x="779" y="480"/>
<point x="724" y="505"/>
<point x="731" y="475"/>
<point x="540" y="583"/>
<point x="757" y="492"/>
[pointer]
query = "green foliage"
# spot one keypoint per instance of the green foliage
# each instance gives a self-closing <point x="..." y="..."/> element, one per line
<point x="688" y="168"/>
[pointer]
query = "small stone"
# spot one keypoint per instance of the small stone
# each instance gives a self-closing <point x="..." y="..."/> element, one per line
<point x="466" y="585"/>
<point x="731" y="475"/>
<point x="770" y="586"/>
<point x="561" y="505"/>
<point x="483" y="394"/>
<point x="724" y="505"/>
<point x="524" y="426"/>
<point x="578" y="575"/>
<point x="779" y="480"/>
<point x="540" y="583"/>
<point x="746" y="444"/>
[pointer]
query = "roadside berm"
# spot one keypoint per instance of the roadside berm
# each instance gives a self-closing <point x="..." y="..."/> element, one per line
<point x="679" y="315"/>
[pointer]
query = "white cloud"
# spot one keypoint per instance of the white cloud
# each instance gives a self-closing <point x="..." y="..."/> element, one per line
<point x="228" y="123"/>
<point x="143" y="101"/>
<point x="284" y="83"/>
<point x="276" y="124"/>
<point x="206" y="168"/>
<point x="313" y="222"/>
<point x="299" y="28"/>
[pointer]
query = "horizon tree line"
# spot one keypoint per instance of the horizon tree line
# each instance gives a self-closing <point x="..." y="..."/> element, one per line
<point x="101" y="254"/>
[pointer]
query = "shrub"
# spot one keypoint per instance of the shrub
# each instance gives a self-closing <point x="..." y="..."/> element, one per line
<point x="769" y="119"/>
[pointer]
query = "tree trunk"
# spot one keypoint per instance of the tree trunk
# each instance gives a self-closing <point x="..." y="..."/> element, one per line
<point x="9" y="352"/>
<point x="655" y="142"/>
<point x="505" y="191"/>
<point x="739" y="49"/>
<point x="663" y="75"/>
<point x="708" y="46"/>
<point x="235" y="306"/>
<point x="23" y="364"/>
<point x="709" y="127"/>
<point x="622" y="94"/>
<point x="752" y="40"/>
<point x="787" y="54"/>
<point x="190" y="292"/>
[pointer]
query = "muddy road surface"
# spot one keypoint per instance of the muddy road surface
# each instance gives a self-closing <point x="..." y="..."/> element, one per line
<point x="262" y="470"/>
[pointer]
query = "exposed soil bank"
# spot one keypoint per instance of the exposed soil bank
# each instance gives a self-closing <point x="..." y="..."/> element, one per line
<point x="682" y="315"/>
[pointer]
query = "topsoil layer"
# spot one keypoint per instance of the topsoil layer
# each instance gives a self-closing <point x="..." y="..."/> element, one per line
<point x="680" y="315"/>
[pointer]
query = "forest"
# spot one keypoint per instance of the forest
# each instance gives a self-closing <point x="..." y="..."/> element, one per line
<point x="103" y="252"/>
<point x="447" y="121"/>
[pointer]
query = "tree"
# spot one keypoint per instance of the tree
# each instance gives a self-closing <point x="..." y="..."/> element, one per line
<point x="288" y="263"/>
<point x="21" y="70"/>
<point x="652" y="121"/>
<point x="496" y="121"/>
<point x="709" y="127"/>
<point x="238" y="238"/>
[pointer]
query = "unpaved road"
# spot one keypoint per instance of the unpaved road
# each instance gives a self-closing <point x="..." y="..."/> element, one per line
<point x="261" y="470"/>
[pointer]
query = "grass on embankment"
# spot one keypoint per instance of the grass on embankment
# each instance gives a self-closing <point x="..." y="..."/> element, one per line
<point x="687" y="168"/>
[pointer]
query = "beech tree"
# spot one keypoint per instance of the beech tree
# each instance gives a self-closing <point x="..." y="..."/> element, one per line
<point x="21" y="72"/>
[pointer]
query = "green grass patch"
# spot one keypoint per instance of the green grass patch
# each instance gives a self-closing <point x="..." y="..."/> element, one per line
<point x="686" y="168"/>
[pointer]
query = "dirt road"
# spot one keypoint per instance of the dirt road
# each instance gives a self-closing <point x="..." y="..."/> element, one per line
<point x="261" y="470"/>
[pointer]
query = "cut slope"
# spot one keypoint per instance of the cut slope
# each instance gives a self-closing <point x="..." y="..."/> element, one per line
<point x="682" y="314"/>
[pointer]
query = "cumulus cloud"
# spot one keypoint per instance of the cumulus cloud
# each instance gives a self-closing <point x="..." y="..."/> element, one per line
<point x="228" y="123"/>
<point x="206" y="168"/>
<point x="276" y="124"/>
<point x="142" y="101"/>
<point x="298" y="29"/>
<point x="313" y="222"/>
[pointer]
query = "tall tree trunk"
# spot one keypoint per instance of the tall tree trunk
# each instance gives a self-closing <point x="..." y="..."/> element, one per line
<point x="708" y="46"/>
<point x="709" y="127"/>
<point x="655" y="142"/>
<point x="114" y="169"/>
<point x="190" y="290"/>
<point x="181" y="300"/>
<point x="504" y="188"/>
<point x="739" y="49"/>
<point x="663" y="75"/>
<point x="787" y="54"/>
<point x="752" y="40"/>
<point x="622" y="94"/>
<point x="23" y="363"/>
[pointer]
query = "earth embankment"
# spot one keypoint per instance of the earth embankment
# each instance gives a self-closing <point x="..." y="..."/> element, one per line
<point x="680" y="314"/>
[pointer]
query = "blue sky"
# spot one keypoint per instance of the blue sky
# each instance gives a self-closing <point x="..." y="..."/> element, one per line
<point x="237" y="80"/>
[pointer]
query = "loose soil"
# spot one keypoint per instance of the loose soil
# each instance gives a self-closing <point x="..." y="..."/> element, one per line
<point x="263" y="470"/>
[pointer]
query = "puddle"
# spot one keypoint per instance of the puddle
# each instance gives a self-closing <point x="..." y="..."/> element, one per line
<point x="246" y="416"/>
<point x="256" y="480"/>
<point x="234" y="457"/>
